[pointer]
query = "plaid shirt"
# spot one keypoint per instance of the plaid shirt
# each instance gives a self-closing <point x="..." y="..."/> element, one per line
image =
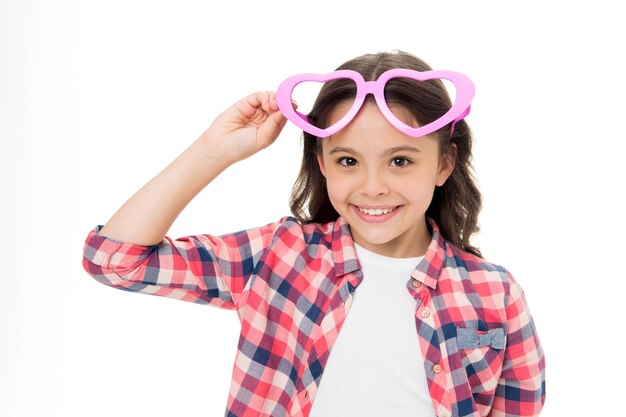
<point x="292" y="286"/>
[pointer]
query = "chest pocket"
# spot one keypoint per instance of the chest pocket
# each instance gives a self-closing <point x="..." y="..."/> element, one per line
<point x="481" y="354"/>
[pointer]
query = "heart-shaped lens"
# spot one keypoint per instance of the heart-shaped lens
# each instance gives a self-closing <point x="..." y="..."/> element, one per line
<point x="418" y="103"/>
<point x="342" y="91"/>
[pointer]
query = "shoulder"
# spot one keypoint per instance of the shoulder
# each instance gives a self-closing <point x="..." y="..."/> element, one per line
<point x="290" y="231"/>
<point x="478" y="273"/>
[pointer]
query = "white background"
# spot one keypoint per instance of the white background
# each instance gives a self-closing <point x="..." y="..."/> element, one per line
<point x="97" y="97"/>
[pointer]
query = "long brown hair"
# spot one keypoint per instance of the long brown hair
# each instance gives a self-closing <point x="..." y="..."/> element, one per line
<point x="455" y="205"/>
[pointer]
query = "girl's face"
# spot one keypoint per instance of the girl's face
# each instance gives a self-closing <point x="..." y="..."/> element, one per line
<point x="381" y="181"/>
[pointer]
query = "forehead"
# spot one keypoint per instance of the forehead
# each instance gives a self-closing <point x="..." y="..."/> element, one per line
<point x="400" y="111"/>
<point x="369" y="130"/>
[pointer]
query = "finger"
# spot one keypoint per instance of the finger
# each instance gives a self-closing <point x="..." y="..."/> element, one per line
<point x="271" y="128"/>
<point x="266" y="102"/>
<point x="249" y="105"/>
<point x="273" y="103"/>
<point x="279" y="129"/>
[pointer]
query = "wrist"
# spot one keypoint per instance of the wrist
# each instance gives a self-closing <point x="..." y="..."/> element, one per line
<point x="213" y="150"/>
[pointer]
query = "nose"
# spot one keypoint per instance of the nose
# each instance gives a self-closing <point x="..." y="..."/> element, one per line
<point x="374" y="183"/>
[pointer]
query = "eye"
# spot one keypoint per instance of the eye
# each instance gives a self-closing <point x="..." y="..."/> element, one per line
<point x="347" y="161"/>
<point x="400" y="161"/>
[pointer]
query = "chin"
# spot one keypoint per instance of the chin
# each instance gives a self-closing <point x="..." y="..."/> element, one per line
<point x="375" y="239"/>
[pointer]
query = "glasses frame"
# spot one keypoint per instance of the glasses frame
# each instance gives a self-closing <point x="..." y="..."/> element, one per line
<point x="460" y="108"/>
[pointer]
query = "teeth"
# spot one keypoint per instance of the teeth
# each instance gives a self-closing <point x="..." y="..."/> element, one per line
<point x="376" y="212"/>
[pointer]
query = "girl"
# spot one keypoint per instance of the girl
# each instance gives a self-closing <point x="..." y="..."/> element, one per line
<point x="379" y="250"/>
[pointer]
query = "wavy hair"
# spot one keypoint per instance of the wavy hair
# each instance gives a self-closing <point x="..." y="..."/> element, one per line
<point x="455" y="205"/>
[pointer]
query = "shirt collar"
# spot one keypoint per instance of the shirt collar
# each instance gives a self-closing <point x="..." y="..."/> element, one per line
<point x="344" y="254"/>
<point x="427" y="271"/>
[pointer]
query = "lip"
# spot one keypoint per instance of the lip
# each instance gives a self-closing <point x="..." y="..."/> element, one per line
<point x="375" y="219"/>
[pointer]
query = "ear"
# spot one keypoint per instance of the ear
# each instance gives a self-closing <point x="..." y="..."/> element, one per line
<point x="320" y="162"/>
<point x="446" y="165"/>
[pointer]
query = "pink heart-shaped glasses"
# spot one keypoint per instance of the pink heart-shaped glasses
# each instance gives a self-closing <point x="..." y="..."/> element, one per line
<point x="460" y="108"/>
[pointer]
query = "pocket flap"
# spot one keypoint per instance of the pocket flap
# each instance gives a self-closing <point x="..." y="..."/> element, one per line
<point x="472" y="339"/>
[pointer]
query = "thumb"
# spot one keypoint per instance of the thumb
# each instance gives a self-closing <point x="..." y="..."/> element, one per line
<point x="271" y="128"/>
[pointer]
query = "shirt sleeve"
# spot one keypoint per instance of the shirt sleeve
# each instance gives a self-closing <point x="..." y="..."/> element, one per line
<point x="521" y="387"/>
<point x="201" y="269"/>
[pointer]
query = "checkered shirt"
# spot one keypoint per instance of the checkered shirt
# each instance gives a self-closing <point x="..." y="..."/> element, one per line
<point x="292" y="286"/>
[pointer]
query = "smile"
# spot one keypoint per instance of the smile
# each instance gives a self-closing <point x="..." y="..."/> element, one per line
<point x="376" y="215"/>
<point x="376" y="212"/>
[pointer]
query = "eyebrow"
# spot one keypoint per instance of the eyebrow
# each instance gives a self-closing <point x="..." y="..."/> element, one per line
<point x="389" y="151"/>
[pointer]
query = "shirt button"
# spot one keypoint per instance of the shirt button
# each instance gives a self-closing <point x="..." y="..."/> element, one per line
<point x="415" y="283"/>
<point x="425" y="313"/>
<point x="437" y="368"/>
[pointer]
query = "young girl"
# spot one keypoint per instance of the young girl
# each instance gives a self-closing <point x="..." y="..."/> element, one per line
<point x="371" y="301"/>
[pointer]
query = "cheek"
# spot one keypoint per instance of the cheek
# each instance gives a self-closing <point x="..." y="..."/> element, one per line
<point x="338" y="187"/>
<point x="418" y="190"/>
<point x="342" y="186"/>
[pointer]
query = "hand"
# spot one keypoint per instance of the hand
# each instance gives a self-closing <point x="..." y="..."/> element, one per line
<point x="246" y="127"/>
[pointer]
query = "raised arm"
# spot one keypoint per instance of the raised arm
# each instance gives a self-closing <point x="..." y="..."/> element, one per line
<point x="133" y="253"/>
<point x="246" y="127"/>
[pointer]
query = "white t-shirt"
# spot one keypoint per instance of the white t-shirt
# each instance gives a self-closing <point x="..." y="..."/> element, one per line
<point x="375" y="367"/>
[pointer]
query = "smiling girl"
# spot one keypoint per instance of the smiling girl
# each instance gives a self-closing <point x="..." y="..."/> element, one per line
<point x="381" y="182"/>
<point x="370" y="300"/>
